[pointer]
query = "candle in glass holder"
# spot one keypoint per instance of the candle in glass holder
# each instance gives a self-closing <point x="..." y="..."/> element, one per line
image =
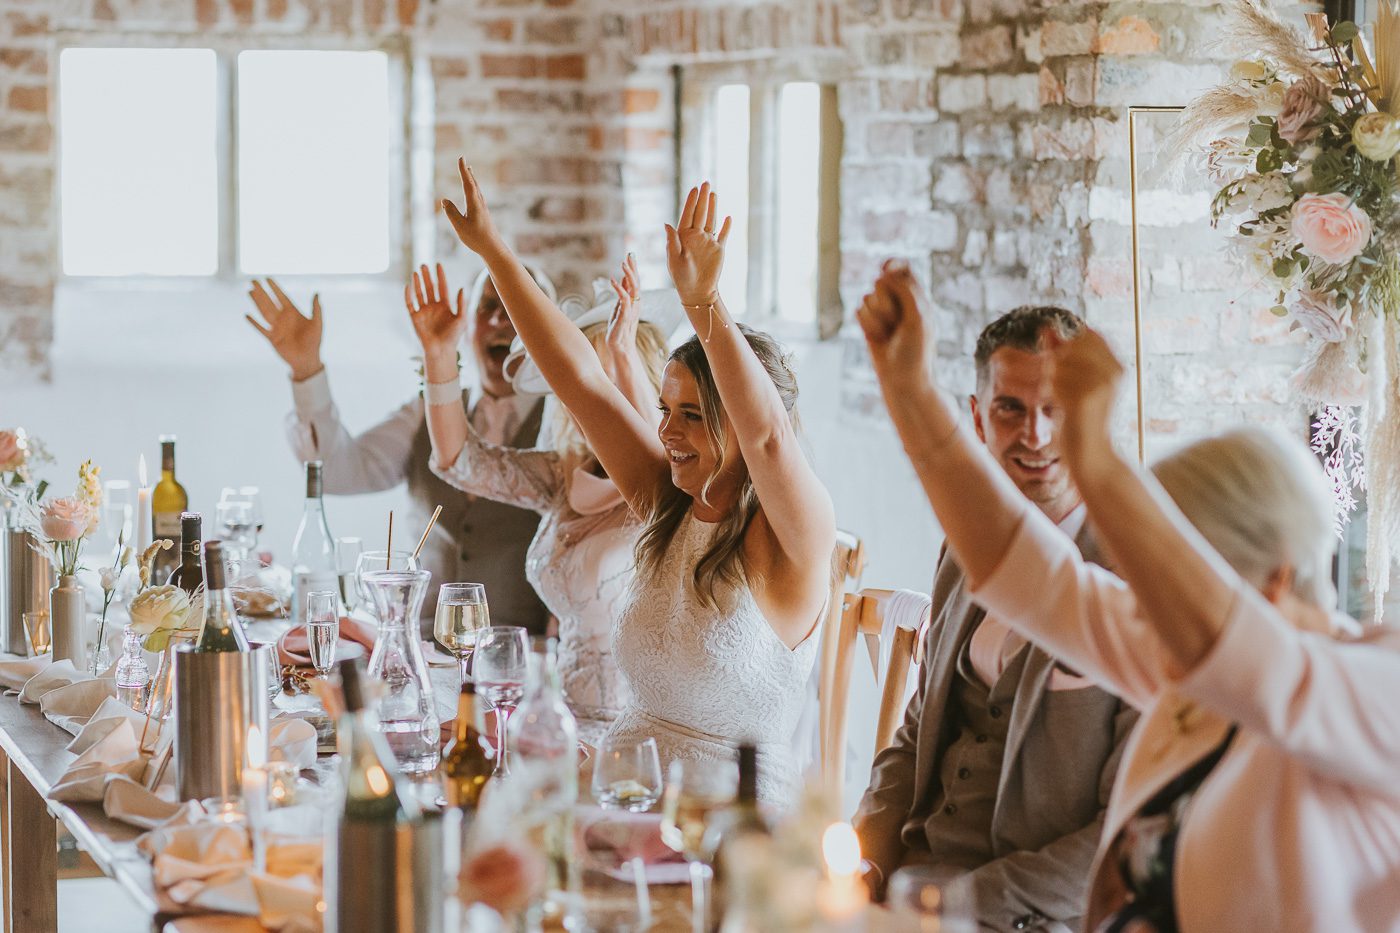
<point x="255" y="795"/>
<point x="842" y="897"/>
<point x="142" y="531"/>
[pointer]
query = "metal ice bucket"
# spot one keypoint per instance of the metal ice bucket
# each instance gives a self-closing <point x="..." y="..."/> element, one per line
<point x="25" y="577"/>
<point x="219" y="695"/>
<point x="391" y="877"/>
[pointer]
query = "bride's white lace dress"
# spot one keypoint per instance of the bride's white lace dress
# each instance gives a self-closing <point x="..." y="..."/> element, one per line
<point x="704" y="679"/>
<point x="580" y="562"/>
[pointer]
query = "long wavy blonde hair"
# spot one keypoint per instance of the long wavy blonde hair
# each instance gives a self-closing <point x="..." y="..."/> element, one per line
<point x="723" y="562"/>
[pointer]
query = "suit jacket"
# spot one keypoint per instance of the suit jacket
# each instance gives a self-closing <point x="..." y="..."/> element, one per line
<point x="1297" y="828"/>
<point x="478" y="540"/>
<point x="1052" y="790"/>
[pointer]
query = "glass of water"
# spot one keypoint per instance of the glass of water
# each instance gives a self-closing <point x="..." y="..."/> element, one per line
<point x="322" y="630"/>
<point x="461" y="613"/>
<point x="500" y="667"/>
<point x="627" y="774"/>
<point x="347" y="557"/>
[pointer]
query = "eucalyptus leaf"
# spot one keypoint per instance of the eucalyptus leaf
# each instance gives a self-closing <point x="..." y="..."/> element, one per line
<point x="1345" y="31"/>
<point x="1279" y="311"/>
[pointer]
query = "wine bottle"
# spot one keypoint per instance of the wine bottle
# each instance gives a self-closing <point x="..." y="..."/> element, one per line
<point x="189" y="576"/>
<point x="742" y="842"/>
<point x="465" y="765"/>
<point x="369" y="871"/>
<point x="221" y="630"/>
<point x="168" y="501"/>
<point x="543" y="742"/>
<point x="313" y="548"/>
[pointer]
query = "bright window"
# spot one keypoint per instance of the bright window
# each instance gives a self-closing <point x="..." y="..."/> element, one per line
<point x="138" y="175"/>
<point x="150" y="187"/>
<point x="731" y="180"/>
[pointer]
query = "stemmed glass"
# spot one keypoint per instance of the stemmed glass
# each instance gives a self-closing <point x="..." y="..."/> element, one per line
<point x="461" y="613"/>
<point x="253" y="497"/>
<point x="238" y="528"/>
<point x="627" y="774"/>
<point x="694" y="790"/>
<point x="371" y="561"/>
<point x="500" y="666"/>
<point x="347" y="554"/>
<point x="322" y="630"/>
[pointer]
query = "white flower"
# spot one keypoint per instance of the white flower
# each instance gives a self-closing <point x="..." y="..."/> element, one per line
<point x="1316" y="312"/>
<point x="1225" y="162"/>
<point x="1377" y="136"/>
<point x="1247" y="70"/>
<point x="1268" y="99"/>
<point x="109" y="577"/>
<point x="156" y="612"/>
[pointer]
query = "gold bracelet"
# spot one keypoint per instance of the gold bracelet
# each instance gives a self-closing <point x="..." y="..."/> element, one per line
<point x="709" y="309"/>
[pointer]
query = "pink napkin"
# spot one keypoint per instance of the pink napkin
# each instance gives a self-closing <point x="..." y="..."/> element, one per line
<point x="612" y="839"/>
<point x="292" y="647"/>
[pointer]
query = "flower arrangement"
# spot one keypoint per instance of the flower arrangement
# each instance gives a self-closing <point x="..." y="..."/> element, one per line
<point x="19" y="455"/>
<point x="61" y="525"/>
<point x="1302" y="143"/>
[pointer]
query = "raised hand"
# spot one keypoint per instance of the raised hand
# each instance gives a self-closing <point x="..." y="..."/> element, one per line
<point x="439" y="327"/>
<point x="296" y="338"/>
<point x="694" y="251"/>
<point x="622" y="325"/>
<point x="892" y="317"/>
<point x="1084" y="382"/>
<point x="473" y="222"/>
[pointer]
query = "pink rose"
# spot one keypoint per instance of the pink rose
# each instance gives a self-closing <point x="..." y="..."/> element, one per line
<point x="11" y="454"/>
<point x="1331" y="226"/>
<point x="65" y="519"/>
<point x="1315" y="312"/>
<point x="502" y="876"/>
<point x="1303" y="103"/>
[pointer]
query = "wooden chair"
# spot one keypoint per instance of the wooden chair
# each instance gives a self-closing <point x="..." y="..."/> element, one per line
<point x="847" y="565"/>
<point x="863" y="616"/>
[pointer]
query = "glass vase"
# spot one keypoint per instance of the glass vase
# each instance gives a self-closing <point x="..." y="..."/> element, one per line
<point x="406" y="709"/>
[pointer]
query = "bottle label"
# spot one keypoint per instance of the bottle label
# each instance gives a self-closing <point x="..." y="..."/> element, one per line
<point x="166" y="525"/>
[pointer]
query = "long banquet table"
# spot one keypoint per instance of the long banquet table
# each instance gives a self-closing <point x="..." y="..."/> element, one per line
<point x="34" y="757"/>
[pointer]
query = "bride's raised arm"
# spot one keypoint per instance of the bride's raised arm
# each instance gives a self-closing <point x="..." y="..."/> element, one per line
<point x="622" y="439"/>
<point x="795" y="503"/>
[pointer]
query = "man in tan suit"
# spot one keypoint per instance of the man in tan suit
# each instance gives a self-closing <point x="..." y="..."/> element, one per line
<point x="999" y="776"/>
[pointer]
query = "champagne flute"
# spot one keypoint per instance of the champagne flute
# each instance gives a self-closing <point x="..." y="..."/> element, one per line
<point x="322" y="630"/>
<point x="500" y="666"/>
<point x="347" y="555"/>
<point x="461" y="613"/>
<point x="694" y="790"/>
<point x="627" y="775"/>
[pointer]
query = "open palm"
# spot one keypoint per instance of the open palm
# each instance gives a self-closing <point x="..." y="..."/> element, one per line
<point x="694" y="250"/>
<point x="439" y="326"/>
<point x="295" y="337"/>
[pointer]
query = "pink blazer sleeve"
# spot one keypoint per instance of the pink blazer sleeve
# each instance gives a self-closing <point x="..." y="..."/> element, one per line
<point x="1332" y="704"/>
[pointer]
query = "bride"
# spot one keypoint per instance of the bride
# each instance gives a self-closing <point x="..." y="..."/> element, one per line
<point x="716" y="636"/>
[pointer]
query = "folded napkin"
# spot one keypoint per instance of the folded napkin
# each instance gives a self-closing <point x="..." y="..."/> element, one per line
<point x="292" y="646"/>
<point x="51" y="677"/>
<point x="16" y="671"/>
<point x="126" y="800"/>
<point x="613" y="839"/>
<point x="114" y="754"/>
<point x="292" y="739"/>
<point x="107" y="717"/>
<point x="70" y="706"/>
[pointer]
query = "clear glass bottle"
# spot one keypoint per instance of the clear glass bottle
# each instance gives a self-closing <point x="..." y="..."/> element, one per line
<point x="133" y="674"/>
<point x="543" y="742"/>
<point x="407" y="715"/>
<point x="313" y="548"/>
<point x="221" y="630"/>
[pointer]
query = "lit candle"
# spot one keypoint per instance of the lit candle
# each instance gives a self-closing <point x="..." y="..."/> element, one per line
<point x="255" y="795"/>
<point x="143" y="510"/>
<point x="842" y="897"/>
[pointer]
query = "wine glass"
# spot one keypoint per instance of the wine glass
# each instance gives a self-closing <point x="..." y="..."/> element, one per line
<point x="253" y="497"/>
<point x="322" y="630"/>
<point x="461" y="613"/>
<point x="930" y="897"/>
<point x="347" y="554"/>
<point x="627" y="774"/>
<point x="694" y="790"/>
<point x="500" y="665"/>
<point x="236" y="526"/>
<point x="370" y="561"/>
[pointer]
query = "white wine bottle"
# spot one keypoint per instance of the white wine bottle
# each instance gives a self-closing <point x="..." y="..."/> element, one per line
<point x="313" y="548"/>
<point x="168" y="502"/>
<point x="221" y="630"/>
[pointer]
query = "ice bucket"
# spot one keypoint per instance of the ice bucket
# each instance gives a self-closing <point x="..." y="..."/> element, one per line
<point x="219" y="695"/>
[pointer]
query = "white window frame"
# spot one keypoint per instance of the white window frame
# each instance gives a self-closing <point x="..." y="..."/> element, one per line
<point x="698" y="86"/>
<point x="226" y="51"/>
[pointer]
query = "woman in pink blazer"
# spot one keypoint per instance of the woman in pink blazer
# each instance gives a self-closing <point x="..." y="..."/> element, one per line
<point x="1261" y="789"/>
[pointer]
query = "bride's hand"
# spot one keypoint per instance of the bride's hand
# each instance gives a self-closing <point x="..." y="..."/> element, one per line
<point x="473" y="223"/>
<point x="694" y="251"/>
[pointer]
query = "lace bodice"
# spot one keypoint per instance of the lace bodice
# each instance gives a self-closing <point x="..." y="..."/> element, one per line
<point x="580" y="562"/>
<point x="704" y="679"/>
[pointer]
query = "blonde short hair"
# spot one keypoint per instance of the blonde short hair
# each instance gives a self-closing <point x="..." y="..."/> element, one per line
<point x="1261" y="500"/>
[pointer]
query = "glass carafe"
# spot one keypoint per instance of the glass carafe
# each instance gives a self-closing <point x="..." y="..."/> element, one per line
<point x="407" y="714"/>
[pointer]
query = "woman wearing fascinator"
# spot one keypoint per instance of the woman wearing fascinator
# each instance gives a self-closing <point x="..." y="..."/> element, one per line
<point x="715" y="635"/>
<point x="580" y="561"/>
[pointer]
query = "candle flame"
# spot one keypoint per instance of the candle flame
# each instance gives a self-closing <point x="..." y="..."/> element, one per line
<point x="141" y="470"/>
<point x="257" y="748"/>
<point x="841" y="849"/>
